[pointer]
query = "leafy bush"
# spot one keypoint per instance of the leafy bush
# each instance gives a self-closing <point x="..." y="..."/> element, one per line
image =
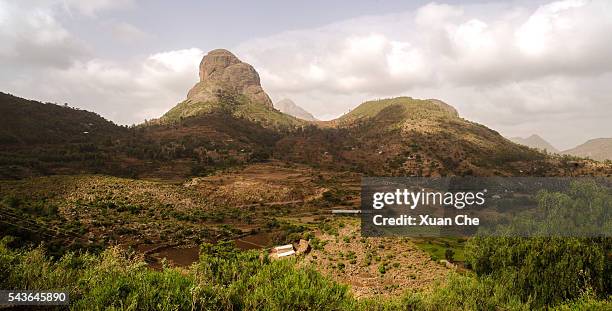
<point x="249" y="281"/>
<point x="118" y="283"/>
<point x="548" y="270"/>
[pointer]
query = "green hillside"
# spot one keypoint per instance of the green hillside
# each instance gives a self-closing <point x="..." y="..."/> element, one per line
<point x="25" y="121"/>
<point x="411" y="108"/>
<point x="236" y="105"/>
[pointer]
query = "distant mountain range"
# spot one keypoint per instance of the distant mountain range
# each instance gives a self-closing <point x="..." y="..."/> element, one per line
<point x="228" y="119"/>
<point x="535" y="141"/>
<point x="597" y="149"/>
<point x="289" y="107"/>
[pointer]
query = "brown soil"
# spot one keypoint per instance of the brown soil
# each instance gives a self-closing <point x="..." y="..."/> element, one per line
<point x="357" y="261"/>
<point x="176" y="256"/>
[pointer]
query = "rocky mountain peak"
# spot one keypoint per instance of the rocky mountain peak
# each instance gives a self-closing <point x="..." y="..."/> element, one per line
<point x="215" y="62"/>
<point x="222" y="71"/>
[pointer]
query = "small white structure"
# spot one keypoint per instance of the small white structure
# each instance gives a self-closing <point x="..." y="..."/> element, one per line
<point x="283" y="248"/>
<point x="283" y="251"/>
<point x="285" y="254"/>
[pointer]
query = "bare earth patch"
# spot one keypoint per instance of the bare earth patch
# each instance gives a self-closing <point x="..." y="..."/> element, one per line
<point x="373" y="266"/>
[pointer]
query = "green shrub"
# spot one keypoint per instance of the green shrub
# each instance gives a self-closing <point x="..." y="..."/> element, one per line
<point x="449" y="254"/>
<point x="248" y="280"/>
<point x="549" y="270"/>
<point x="135" y="287"/>
<point x="546" y="270"/>
<point x="281" y="286"/>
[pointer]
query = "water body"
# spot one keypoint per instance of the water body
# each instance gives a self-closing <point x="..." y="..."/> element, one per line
<point x="179" y="256"/>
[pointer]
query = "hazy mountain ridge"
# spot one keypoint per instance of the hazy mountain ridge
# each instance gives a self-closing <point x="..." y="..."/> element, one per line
<point x="535" y="141"/>
<point x="289" y="107"/>
<point x="599" y="149"/>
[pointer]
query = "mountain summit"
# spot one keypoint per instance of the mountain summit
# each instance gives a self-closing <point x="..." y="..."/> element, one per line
<point x="232" y="87"/>
<point x="220" y="70"/>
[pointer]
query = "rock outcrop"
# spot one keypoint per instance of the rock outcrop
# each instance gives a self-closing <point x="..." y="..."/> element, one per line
<point x="231" y="87"/>
<point x="450" y="109"/>
<point x="220" y="70"/>
<point x="302" y="248"/>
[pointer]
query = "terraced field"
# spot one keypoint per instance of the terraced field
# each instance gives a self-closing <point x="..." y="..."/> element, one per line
<point x="257" y="206"/>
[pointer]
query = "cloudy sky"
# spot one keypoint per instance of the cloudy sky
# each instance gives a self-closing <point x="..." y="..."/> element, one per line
<point x="519" y="67"/>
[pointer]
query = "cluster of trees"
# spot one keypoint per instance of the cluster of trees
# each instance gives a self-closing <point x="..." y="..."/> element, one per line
<point x="568" y="254"/>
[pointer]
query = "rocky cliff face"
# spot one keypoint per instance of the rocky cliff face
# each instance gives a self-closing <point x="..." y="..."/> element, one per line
<point x="220" y="70"/>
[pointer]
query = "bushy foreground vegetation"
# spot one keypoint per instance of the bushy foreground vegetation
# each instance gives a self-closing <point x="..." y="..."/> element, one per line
<point x="507" y="273"/>
<point x="227" y="279"/>
<point x="550" y="268"/>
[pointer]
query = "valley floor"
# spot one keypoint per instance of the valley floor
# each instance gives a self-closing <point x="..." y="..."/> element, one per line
<point x="257" y="206"/>
<point x="145" y="239"/>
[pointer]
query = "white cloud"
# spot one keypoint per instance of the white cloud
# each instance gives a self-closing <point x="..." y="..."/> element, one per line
<point x="497" y="64"/>
<point x="435" y="15"/>
<point x="47" y="62"/>
<point x="32" y="36"/>
<point x="124" y="92"/>
<point x="537" y="35"/>
<point x="543" y="69"/>
<point x="127" y="33"/>
<point x="92" y="7"/>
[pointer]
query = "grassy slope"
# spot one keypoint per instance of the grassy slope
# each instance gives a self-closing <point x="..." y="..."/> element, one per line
<point x="236" y="105"/>
<point x="380" y="137"/>
<point x="416" y="107"/>
<point x="42" y="139"/>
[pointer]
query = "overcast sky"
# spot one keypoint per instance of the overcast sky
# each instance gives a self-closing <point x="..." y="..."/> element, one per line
<point x="519" y="67"/>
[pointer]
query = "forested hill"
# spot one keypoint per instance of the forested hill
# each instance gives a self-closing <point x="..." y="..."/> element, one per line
<point x="28" y="122"/>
